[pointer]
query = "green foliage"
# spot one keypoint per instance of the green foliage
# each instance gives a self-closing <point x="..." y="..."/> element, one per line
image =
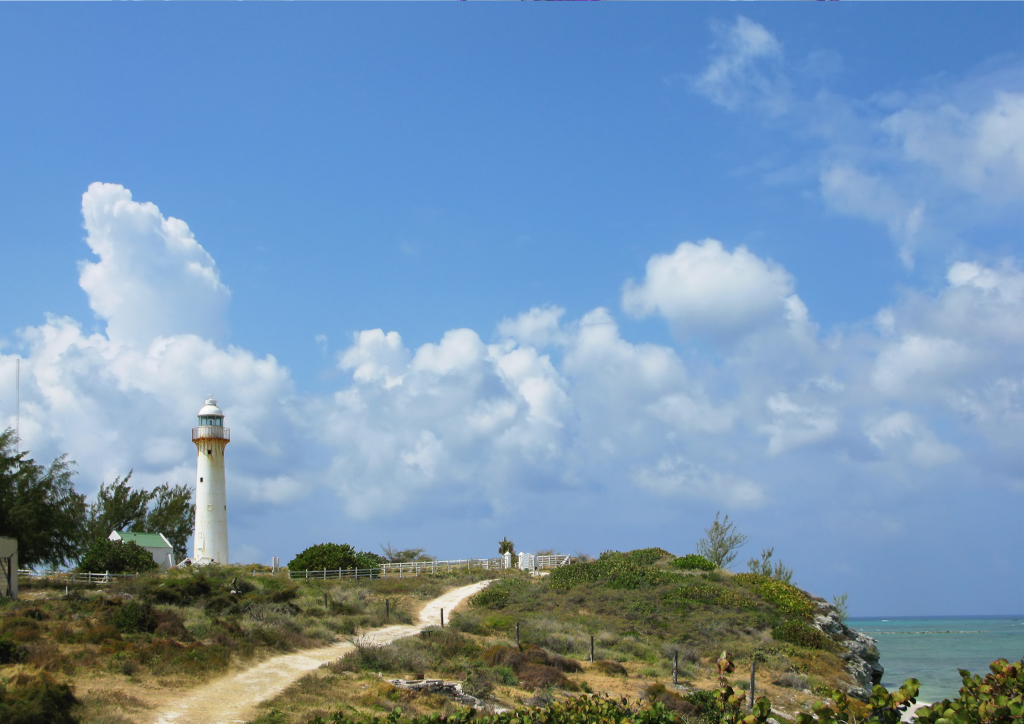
<point x="802" y="634"/>
<point x="135" y="617"/>
<point x="886" y="708"/>
<point x="577" y="710"/>
<point x="647" y="556"/>
<point x="394" y="555"/>
<point x="10" y="651"/>
<point x="506" y="546"/>
<point x="39" y="507"/>
<point x="612" y="569"/>
<point x="333" y="556"/>
<point x="839" y="604"/>
<point x="693" y="562"/>
<point x="174" y="515"/>
<point x="107" y="556"/>
<point x="37" y="699"/>
<point x="996" y="698"/>
<point x="764" y="567"/>
<point x="720" y="542"/>
<point x="119" y="507"/>
<point x="789" y="599"/>
<point x="710" y="594"/>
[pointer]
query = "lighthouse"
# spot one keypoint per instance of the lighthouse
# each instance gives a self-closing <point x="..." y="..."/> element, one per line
<point x="210" y="437"/>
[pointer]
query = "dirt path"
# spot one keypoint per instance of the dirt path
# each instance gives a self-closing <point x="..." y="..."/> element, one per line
<point x="233" y="698"/>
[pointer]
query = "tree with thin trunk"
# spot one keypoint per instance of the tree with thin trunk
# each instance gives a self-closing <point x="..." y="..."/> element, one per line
<point x="720" y="542"/>
<point x="506" y="546"/>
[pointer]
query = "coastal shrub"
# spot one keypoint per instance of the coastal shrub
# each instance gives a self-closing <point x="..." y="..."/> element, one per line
<point x="802" y="634"/>
<point x="332" y="556"/>
<point x="709" y="594"/>
<point x="37" y="699"/>
<point x="647" y="556"/>
<point x="610" y="668"/>
<point x="613" y="570"/>
<point x="135" y="617"/>
<point x="789" y="599"/>
<point x="108" y="556"/>
<point x="998" y="697"/>
<point x="693" y="562"/>
<point x="10" y="651"/>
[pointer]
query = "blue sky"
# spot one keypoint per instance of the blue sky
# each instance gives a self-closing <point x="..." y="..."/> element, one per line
<point x="582" y="276"/>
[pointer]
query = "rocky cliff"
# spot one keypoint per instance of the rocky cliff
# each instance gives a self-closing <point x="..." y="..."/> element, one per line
<point x="861" y="654"/>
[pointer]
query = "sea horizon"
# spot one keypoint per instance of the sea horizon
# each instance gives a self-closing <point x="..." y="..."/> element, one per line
<point x="919" y="647"/>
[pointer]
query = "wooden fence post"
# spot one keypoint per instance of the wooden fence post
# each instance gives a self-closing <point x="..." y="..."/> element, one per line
<point x="442" y="618"/>
<point x="591" y="649"/>
<point x="675" y="666"/>
<point x="517" y="633"/>
<point x="387" y="609"/>
<point x="753" y="669"/>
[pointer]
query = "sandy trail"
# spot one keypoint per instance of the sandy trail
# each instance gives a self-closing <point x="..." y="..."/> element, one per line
<point x="233" y="699"/>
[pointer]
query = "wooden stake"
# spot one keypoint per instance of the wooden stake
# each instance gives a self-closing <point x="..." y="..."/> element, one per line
<point x="753" y="668"/>
<point x="517" y="633"/>
<point x="675" y="666"/>
<point x="591" y="649"/>
<point x="387" y="609"/>
<point x="442" y="618"/>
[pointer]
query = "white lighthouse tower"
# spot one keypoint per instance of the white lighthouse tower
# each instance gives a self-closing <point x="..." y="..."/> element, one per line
<point x="211" y="437"/>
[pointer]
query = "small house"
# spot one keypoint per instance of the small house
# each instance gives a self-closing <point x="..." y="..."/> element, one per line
<point x="158" y="546"/>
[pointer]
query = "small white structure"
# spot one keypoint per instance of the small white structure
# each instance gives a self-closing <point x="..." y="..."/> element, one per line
<point x="155" y="543"/>
<point x="210" y="438"/>
<point x="9" y="567"/>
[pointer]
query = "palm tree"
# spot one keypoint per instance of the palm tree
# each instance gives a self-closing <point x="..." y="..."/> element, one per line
<point x="506" y="546"/>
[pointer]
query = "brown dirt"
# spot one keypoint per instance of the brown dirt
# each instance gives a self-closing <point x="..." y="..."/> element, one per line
<point x="233" y="697"/>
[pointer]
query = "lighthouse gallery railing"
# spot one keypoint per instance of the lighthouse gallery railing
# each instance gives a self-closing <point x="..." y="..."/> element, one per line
<point x="208" y="431"/>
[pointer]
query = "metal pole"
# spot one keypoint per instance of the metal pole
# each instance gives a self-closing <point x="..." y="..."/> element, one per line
<point x="591" y="649"/>
<point x="675" y="666"/>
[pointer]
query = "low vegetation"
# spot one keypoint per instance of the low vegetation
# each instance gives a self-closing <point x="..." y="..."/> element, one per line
<point x="173" y="630"/>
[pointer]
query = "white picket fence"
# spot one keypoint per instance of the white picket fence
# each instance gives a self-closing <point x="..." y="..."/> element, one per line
<point x="73" y="576"/>
<point x="526" y="561"/>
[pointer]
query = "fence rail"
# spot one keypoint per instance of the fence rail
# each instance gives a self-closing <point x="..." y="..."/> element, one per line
<point x="417" y="568"/>
<point x="74" y="576"/>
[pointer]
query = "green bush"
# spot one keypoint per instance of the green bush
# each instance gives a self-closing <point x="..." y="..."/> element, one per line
<point x="613" y="570"/>
<point x="37" y="699"/>
<point x="135" y="617"/>
<point x="789" y="599"/>
<point x="107" y="556"/>
<point x="693" y="562"/>
<point x="332" y="556"/>
<point x="802" y="634"/>
<point x="10" y="651"/>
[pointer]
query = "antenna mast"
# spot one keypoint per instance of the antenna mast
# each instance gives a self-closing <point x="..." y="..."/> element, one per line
<point x="17" y="408"/>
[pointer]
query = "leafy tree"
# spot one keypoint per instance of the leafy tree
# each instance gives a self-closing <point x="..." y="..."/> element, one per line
<point x="333" y="556"/>
<point x="174" y="515"/>
<point x="39" y="507"/>
<point x="118" y="507"/>
<point x="108" y="556"/>
<point x="506" y="546"/>
<point x="839" y="604"/>
<point x="764" y="567"/>
<point x="399" y="556"/>
<point x="720" y="542"/>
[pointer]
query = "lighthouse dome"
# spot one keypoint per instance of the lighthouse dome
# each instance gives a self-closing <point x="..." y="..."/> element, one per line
<point x="210" y="409"/>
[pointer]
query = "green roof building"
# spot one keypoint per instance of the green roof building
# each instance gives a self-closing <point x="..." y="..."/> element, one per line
<point x="158" y="546"/>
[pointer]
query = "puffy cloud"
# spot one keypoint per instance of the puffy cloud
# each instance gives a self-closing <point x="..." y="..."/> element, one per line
<point x="555" y="407"/>
<point x="153" y="278"/>
<point x="704" y="289"/>
<point x="745" y="69"/>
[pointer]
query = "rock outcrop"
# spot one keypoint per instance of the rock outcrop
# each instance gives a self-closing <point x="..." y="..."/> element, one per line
<point x="861" y="655"/>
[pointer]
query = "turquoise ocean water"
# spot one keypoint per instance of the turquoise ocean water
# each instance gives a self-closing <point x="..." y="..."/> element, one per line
<point x="919" y="648"/>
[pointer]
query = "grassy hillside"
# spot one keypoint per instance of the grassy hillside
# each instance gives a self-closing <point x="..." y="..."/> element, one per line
<point x="132" y="645"/>
<point x="640" y="610"/>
